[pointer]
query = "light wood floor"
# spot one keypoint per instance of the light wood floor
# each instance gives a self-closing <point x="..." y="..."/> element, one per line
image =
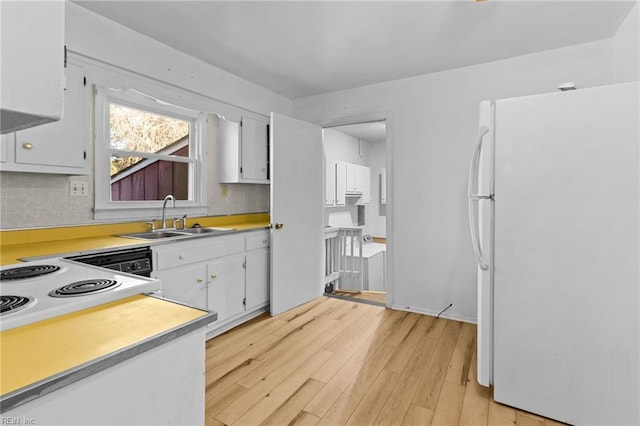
<point x="335" y="362"/>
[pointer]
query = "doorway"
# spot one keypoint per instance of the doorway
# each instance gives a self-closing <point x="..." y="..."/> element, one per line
<point x="356" y="199"/>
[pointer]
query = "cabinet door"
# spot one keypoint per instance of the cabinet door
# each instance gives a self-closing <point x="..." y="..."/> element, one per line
<point x="226" y="286"/>
<point x="186" y="285"/>
<point x="254" y="149"/>
<point x="341" y="183"/>
<point x="330" y="184"/>
<point x="63" y="143"/>
<point x="7" y="142"/>
<point x="257" y="278"/>
<point x="366" y="185"/>
<point x="355" y="178"/>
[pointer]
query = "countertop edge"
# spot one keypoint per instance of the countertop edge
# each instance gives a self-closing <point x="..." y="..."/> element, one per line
<point x="34" y="391"/>
<point x="134" y="243"/>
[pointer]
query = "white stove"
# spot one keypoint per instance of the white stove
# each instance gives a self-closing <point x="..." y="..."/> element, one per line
<point x="38" y="290"/>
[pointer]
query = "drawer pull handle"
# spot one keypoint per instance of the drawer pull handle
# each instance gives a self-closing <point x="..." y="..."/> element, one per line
<point x="214" y="276"/>
<point x="199" y="280"/>
<point x="181" y="257"/>
<point x="264" y="241"/>
<point x="27" y="145"/>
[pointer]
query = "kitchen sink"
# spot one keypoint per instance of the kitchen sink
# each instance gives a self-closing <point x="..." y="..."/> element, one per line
<point x="154" y="235"/>
<point x="204" y="230"/>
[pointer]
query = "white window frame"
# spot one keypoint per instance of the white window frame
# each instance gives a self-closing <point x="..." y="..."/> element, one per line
<point x="149" y="209"/>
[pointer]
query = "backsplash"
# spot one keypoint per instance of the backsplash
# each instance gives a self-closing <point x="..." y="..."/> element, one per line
<point x="31" y="200"/>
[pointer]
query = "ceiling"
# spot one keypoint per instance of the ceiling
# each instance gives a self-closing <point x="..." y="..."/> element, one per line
<point x="372" y="131"/>
<point x="303" y="48"/>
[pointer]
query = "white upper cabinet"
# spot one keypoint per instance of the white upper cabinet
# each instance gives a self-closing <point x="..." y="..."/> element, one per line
<point x="366" y="185"/>
<point x="347" y="180"/>
<point x="355" y="178"/>
<point x="59" y="147"/>
<point x="32" y="63"/>
<point x="243" y="151"/>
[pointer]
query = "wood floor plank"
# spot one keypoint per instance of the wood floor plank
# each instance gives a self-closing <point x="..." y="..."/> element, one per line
<point x="216" y="370"/>
<point x="288" y="347"/>
<point x="279" y="395"/>
<point x="326" y="398"/>
<point x="305" y="419"/>
<point x="500" y="414"/>
<point x="226" y="342"/>
<point x="349" y="399"/>
<point x="359" y="320"/>
<point x="409" y="344"/>
<point x="402" y="331"/>
<point x="237" y="408"/>
<point x="436" y="370"/>
<point x="475" y="409"/>
<point x="551" y="422"/>
<point x="416" y="416"/>
<point x="292" y="408"/>
<point x="367" y="411"/>
<point x="232" y="346"/>
<point x="214" y="403"/>
<point x="350" y="369"/>
<point x="527" y="419"/>
<point x="449" y="405"/>
<point x="218" y="385"/>
<point x="402" y="394"/>
<point x="304" y="318"/>
<point x="293" y="313"/>
<point x="461" y="358"/>
<point x="348" y="342"/>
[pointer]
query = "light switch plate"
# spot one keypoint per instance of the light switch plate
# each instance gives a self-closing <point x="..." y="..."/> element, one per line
<point x="78" y="188"/>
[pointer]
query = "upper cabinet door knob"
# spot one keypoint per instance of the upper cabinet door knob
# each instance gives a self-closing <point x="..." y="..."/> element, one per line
<point x="27" y="145"/>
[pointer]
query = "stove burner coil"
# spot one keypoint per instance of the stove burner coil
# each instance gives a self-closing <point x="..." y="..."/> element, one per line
<point x="9" y="304"/>
<point x="22" y="272"/>
<point x="86" y="287"/>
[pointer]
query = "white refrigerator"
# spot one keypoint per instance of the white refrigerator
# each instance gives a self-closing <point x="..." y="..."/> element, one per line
<point x="554" y="209"/>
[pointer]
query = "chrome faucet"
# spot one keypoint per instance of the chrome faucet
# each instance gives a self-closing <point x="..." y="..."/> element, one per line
<point x="164" y="207"/>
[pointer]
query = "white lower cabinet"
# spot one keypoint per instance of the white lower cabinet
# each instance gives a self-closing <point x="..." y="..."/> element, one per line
<point x="226" y="286"/>
<point x="257" y="282"/>
<point x="228" y="274"/>
<point x="162" y="386"/>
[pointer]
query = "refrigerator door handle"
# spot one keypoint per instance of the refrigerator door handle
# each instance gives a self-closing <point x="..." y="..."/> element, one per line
<point x="473" y="183"/>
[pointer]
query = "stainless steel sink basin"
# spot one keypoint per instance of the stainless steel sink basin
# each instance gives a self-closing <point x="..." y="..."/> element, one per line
<point x="154" y="235"/>
<point x="204" y="230"/>
<point x="159" y="234"/>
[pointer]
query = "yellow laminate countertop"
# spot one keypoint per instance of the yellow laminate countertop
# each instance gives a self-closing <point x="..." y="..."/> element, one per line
<point x="36" y="352"/>
<point x="20" y="244"/>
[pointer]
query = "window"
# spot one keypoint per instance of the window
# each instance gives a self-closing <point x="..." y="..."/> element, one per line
<point x="145" y="150"/>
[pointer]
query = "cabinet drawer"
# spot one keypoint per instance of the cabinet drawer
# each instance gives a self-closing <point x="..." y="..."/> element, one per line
<point x="257" y="241"/>
<point x="187" y="252"/>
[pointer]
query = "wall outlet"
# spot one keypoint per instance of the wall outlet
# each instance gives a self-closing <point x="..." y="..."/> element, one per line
<point x="78" y="188"/>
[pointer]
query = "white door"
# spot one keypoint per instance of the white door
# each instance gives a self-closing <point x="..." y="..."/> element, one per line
<point x="297" y="212"/>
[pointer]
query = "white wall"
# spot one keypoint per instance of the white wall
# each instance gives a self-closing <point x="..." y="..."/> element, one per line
<point x="118" y="56"/>
<point x="626" y="67"/>
<point x="434" y="123"/>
